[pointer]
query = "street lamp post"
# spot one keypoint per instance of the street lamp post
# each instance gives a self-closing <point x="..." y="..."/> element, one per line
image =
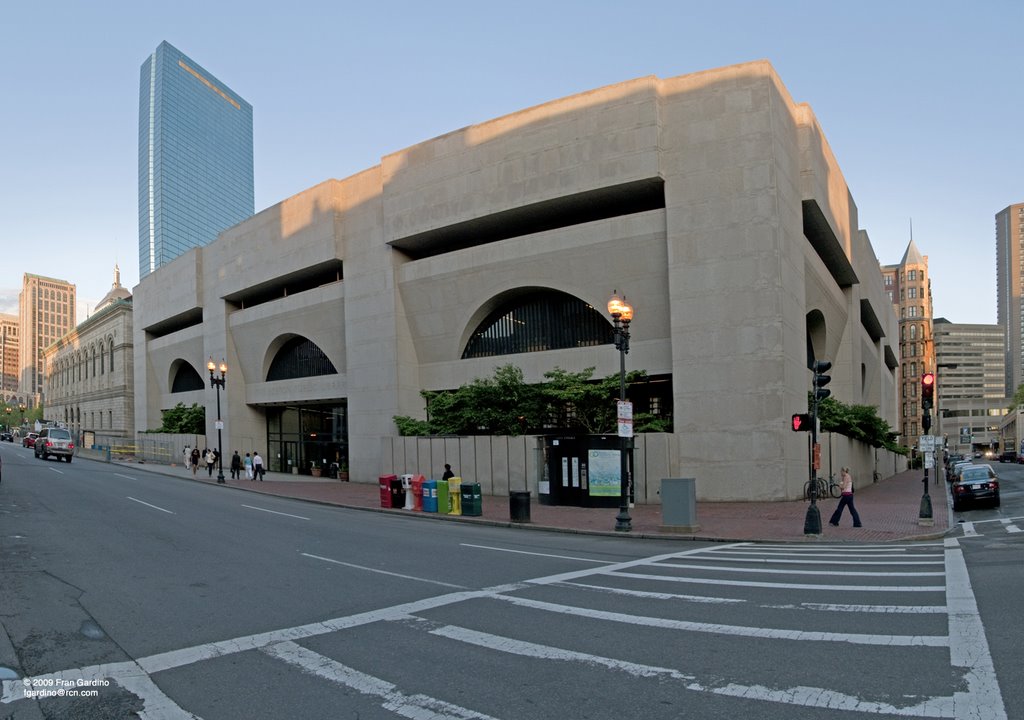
<point x="622" y="315"/>
<point x="22" y="407"/>
<point x="218" y="382"/>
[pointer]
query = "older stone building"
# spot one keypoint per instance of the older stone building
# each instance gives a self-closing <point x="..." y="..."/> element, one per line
<point x="712" y="200"/>
<point x="88" y="374"/>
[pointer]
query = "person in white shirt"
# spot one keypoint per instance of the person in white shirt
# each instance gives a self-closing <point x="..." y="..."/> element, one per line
<point x="257" y="465"/>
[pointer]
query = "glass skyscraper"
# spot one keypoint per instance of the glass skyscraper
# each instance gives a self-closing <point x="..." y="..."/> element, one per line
<point x="195" y="157"/>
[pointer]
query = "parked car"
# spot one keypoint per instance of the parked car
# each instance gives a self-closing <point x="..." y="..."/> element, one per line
<point x="1008" y="456"/>
<point x="954" y="472"/>
<point x="977" y="483"/>
<point x="29" y="440"/>
<point x="5" y="436"/>
<point x="56" y="442"/>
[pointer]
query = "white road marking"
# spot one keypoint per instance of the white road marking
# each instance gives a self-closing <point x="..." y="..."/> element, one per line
<point x="275" y="512"/>
<point x="1010" y="528"/>
<point x="783" y="586"/>
<point x="126" y="477"/>
<point x="823" y="571"/>
<point x="894" y="609"/>
<point x="59" y="472"/>
<point x="968" y="648"/>
<point x="654" y="595"/>
<point x="524" y="552"/>
<point x="415" y="707"/>
<point x="738" y="630"/>
<point x="968" y="528"/>
<point x="831" y="561"/>
<point x="148" y="505"/>
<point x="939" y="707"/>
<point x="383" y="572"/>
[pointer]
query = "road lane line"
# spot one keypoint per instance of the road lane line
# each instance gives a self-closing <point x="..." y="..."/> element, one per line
<point x="416" y="707"/>
<point x="969" y="530"/>
<point x="736" y="630"/>
<point x="968" y="648"/>
<point x="935" y="707"/>
<point x="823" y="571"/>
<point x="524" y="552"/>
<point x="653" y="595"/>
<point x="383" y="572"/>
<point x="59" y="472"/>
<point x="781" y="586"/>
<point x="126" y="477"/>
<point x="1010" y="528"/>
<point x="275" y="512"/>
<point x="148" y="505"/>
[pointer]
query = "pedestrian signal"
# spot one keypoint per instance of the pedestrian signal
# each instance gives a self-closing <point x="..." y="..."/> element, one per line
<point x="801" y="422"/>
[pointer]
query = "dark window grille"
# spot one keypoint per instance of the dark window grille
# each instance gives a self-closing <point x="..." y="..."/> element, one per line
<point x="300" y="358"/>
<point x="187" y="379"/>
<point x="549" y="320"/>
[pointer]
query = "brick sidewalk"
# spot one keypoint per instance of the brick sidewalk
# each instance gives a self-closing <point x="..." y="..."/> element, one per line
<point x="889" y="510"/>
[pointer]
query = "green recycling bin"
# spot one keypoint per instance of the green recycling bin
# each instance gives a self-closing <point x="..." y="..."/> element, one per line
<point x="444" y="504"/>
<point x="472" y="503"/>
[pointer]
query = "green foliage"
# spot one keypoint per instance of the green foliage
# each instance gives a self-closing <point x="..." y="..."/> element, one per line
<point x="507" y="405"/>
<point x="184" y="420"/>
<point x="1018" y="398"/>
<point x="860" y="422"/>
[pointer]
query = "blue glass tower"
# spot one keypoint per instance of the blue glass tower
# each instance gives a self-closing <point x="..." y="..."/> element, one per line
<point x="195" y="157"/>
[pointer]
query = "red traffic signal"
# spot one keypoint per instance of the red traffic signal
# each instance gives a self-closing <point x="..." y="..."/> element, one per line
<point x="801" y="422"/>
<point x="927" y="390"/>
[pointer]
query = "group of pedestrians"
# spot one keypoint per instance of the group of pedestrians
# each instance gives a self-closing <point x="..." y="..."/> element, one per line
<point x="251" y="464"/>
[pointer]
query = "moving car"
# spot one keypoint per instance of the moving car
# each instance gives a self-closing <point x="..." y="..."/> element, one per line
<point x="56" y="442"/>
<point x="977" y="483"/>
<point x="29" y="440"/>
<point x="6" y="436"/>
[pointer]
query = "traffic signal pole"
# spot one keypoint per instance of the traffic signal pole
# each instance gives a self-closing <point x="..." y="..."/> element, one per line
<point x="812" y="521"/>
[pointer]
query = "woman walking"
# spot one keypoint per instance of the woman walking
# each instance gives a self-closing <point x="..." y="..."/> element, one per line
<point x="845" y="499"/>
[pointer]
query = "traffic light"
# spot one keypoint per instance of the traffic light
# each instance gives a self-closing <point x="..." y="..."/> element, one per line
<point x="927" y="391"/>
<point x="821" y="379"/>
<point x="801" y="422"/>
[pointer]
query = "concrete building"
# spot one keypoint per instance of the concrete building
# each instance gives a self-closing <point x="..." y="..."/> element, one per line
<point x="910" y="291"/>
<point x="47" y="312"/>
<point x="195" y="157"/>
<point x="970" y="376"/>
<point x="1010" y="289"/>
<point x="89" y="374"/>
<point x="9" y="374"/>
<point x="712" y="200"/>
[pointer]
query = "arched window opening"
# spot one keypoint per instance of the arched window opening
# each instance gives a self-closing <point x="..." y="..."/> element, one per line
<point x="186" y="379"/>
<point x="544" y="320"/>
<point x="299" y="358"/>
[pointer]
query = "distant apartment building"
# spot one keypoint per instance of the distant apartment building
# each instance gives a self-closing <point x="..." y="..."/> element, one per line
<point x="89" y="373"/>
<point x="8" y="356"/>
<point x="970" y="384"/>
<point x="1010" y="289"/>
<point x="910" y="291"/>
<point x="195" y="157"/>
<point x="46" y="314"/>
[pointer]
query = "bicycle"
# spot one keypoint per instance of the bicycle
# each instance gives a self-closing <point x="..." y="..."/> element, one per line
<point x="823" y="488"/>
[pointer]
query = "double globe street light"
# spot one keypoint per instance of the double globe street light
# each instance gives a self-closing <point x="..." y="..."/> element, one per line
<point x="218" y="382"/>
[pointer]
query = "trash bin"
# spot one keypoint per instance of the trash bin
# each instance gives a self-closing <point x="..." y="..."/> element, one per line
<point x="455" y="495"/>
<point x="472" y="504"/>
<point x="333" y="471"/>
<point x="406" y="492"/>
<point x="430" y="496"/>
<point x="444" y="502"/>
<point x="417" y="492"/>
<point x="385" y="490"/>
<point x="679" y="505"/>
<point x="519" y="506"/>
<point x="397" y="493"/>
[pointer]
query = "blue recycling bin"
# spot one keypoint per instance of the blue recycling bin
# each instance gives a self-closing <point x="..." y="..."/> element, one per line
<point x="430" y="496"/>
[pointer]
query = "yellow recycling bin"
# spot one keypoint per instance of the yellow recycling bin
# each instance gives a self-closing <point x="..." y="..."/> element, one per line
<point x="455" y="495"/>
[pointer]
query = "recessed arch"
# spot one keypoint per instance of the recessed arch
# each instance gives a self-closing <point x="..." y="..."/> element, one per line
<point x="184" y="377"/>
<point x="815" y="336"/>
<point x="536" y="319"/>
<point x="299" y="357"/>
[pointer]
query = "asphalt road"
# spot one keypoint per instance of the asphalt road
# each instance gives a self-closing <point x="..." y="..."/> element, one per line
<point x="174" y="599"/>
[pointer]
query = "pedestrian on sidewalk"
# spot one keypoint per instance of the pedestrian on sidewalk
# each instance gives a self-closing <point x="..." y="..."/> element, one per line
<point x="257" y="465"/>
<point x="448" y="474"/>
<point x="193" y="460"/>
<point x="187" y="456"/>
<point x="248" y="466"/>
<point x="210" y="458"/>
<point x="236" y="466"/>
<point x="845" y="499"/>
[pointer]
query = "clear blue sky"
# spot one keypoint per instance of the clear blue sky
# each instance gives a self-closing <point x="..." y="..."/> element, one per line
<point x="922" y="103"/>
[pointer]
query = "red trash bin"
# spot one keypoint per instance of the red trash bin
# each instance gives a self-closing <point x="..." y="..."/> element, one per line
<point x="385" y="490"/>
<point x="417" y="492"/>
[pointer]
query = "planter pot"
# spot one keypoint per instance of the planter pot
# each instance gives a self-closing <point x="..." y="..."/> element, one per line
<point x="315" y="472"/>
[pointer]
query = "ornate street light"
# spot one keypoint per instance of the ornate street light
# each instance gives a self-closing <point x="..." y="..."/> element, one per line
<point x="218" y="382"/>
<point x="622" y="314"/>
<point x="22" y="407"/>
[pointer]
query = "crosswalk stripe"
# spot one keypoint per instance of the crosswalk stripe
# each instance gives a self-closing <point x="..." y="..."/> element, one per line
<point x="823" y="571"/>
